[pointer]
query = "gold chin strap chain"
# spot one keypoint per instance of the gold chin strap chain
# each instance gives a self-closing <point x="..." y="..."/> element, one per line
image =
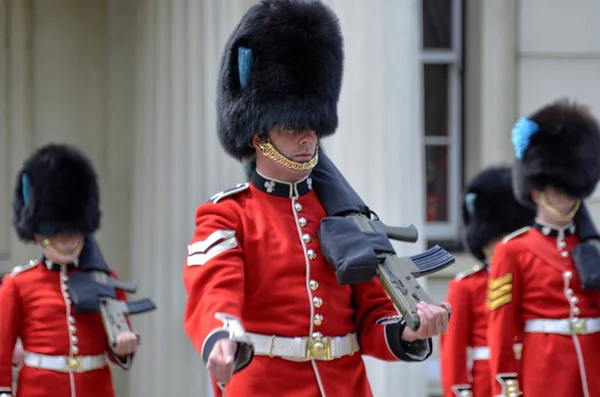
<point x="546" y="204"/>
<point x="269" y="150"/>
<point x="48" y="245"/>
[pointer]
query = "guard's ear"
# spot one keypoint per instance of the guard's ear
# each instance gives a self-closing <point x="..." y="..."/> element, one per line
<point x="255" y="142"/>
<point x="535" y="196"/>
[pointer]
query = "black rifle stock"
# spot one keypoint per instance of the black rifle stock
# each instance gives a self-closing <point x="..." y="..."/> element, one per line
<point x="398" y="274"/>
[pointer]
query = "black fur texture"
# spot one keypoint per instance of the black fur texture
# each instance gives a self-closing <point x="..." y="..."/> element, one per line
<point x="564" y="153"/>
<point x="296" y="77"/>
<point x="496" y="211"/>
<point x="63" y="198"/>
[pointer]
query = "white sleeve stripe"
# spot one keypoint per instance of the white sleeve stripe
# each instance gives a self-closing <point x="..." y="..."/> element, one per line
<point x="199" y="259"/>
<point x="200" y="247"/>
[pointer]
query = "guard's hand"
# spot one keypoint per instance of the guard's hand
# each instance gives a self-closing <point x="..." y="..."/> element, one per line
<point x="126" y="344"/>
<point x="433" y="322"/>
<point x="220" y="360"/>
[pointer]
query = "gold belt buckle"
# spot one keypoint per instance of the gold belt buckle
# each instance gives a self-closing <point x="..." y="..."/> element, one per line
<point x="75" y="364"/>
<point x="579" y="326"/>
<point x="318" y="348"/>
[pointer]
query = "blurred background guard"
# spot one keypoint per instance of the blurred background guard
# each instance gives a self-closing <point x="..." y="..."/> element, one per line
<point x="539" y="283"/>
<point x="18" y="353"/>
<point x="490" y="212"/>
<point x="56" y="205"/>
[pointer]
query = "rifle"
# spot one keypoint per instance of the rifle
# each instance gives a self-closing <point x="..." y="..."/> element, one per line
<point x="93" y="290"/>
<point x="398" y="274"/>
<point x="113" y="311"/>
<point x="359" y="248"/>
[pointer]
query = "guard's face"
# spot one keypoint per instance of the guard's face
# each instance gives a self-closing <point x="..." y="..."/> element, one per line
<point x="61" y="248"/>
<point x="66" y="243"/>
<point x="299" y="146"/>
<point x="559" y="200"/>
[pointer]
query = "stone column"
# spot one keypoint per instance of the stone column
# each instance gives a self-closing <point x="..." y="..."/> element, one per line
<point x="491" y="85"/>
<point x="178" y="164"/>
<point x="378" y="145"/>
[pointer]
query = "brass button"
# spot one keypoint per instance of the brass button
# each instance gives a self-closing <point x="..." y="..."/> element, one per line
<point x="302" y="222"/>
<point x="317" y="335"/>
<point x="313" y="285"/>
<point x="73" y="329"/>
<point x="311" y="254"/>
<point x="306" y="238"/>
<point x="574" y="299"/>
<point x="318" y="319"/>
<point x="569" y="292"/>
<point x="564" y="254"/>
<point x="518" y="350"/>
<point x="75" y="350"/>
<point x="74" y="339"/>
<point x="71" y="319"/>
<point x="568" y="274"/>
<point x="562" y="244"/>
<point x="298" y="207"/>
<point x="318" y="302"/>
<point x="576" y="311"/>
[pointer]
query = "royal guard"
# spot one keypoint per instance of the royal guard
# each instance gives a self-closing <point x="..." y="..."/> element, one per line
<point x="264" y="307"/>
<point x="490" y="212"/>
<point x="18" y="355"/>
<point x="539" y="282"/>
<point x="56" y="205"/>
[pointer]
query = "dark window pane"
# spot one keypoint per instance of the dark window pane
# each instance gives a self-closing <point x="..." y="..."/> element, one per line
<point x="436" y="160"/>
<point x="435" y="106"/>
<point x="437" y="23"/>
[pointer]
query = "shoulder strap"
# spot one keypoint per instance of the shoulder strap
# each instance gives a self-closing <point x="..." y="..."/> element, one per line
<point x="514" y="234"/>
<point x="240" y="187"/>
<point x="23" y="268"/>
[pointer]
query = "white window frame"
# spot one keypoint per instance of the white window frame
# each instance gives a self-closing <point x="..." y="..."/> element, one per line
<point x="448" y="230"/>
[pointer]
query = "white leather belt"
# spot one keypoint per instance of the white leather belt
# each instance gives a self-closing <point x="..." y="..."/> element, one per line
<point x="305" y="348"/>
<point x="64" y="363"/>
<point x="574" y="326"/>
<point x="480" y="353"/>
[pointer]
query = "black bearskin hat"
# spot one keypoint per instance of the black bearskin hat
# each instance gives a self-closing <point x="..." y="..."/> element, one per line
<point x="490" y="210"/>
<point x="282" y="66"/>
<point x="56" y="192"/>
<point x="558" y="146"/>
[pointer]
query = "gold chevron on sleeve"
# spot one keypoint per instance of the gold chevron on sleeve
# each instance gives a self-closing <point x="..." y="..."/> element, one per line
<point x="500" y="281"/>
<point x="503" y="300"/>
<point x="499" y="291"/>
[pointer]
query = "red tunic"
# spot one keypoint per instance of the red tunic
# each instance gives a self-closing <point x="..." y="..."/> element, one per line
<point x="34" y="309"/>
<point x="533" y="278"/>
<point x="467" y="330"/>
<point x="275" y="280"/>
